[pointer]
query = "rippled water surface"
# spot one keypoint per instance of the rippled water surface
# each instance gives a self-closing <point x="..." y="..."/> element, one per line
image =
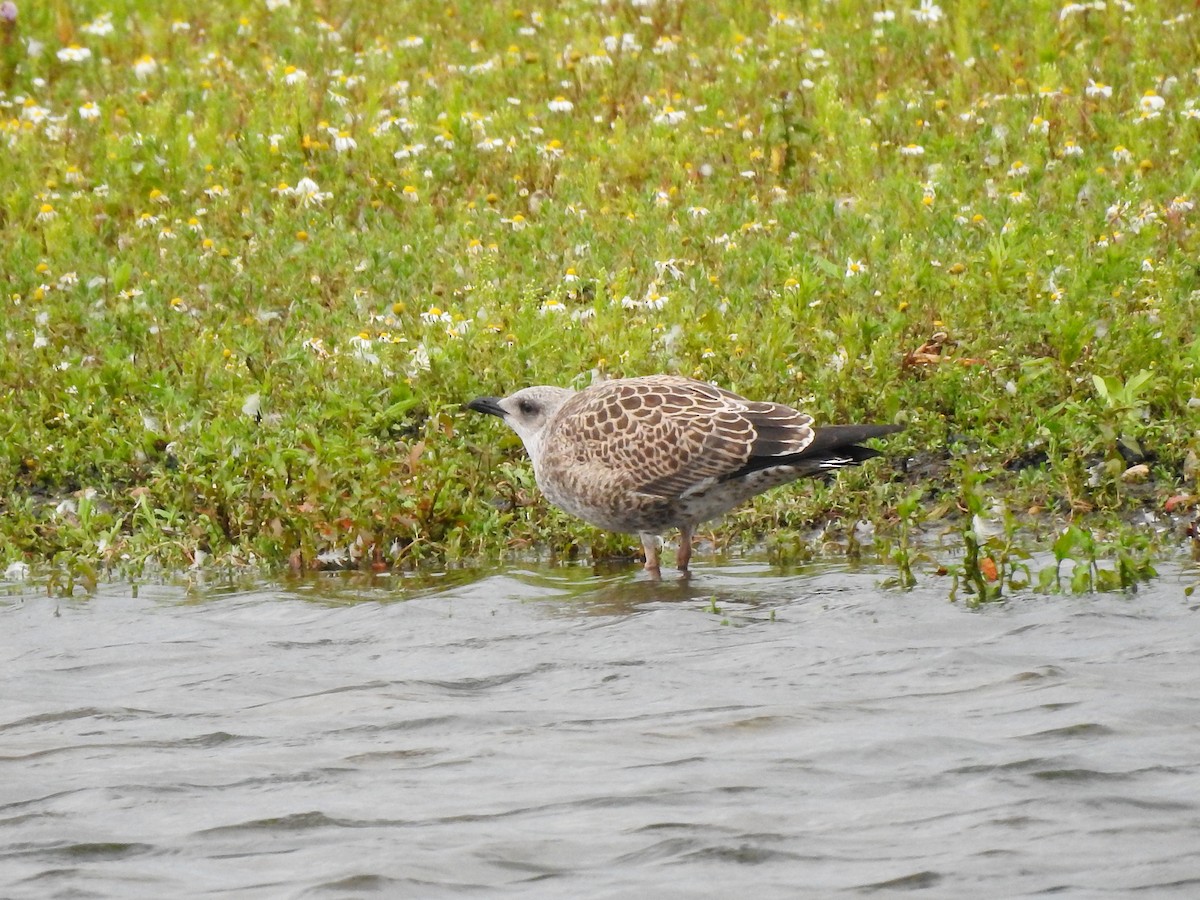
<point x="555" y="733"/>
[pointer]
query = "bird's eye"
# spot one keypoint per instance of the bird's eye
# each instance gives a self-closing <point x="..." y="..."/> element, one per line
<point x="527" y="407"/>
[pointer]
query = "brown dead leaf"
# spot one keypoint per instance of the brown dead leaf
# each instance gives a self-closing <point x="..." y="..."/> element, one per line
<point x="414" y="455"/>
<point x="930" y="354"/>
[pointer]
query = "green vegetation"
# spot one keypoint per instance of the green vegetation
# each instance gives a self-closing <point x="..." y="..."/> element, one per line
<point x="255" y="260"/>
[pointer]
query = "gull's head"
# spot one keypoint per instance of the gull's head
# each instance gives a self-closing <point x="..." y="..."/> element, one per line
<point x="526" y="412"/>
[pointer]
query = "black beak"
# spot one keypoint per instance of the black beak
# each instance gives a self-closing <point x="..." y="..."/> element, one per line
<point x="489" y="405"/>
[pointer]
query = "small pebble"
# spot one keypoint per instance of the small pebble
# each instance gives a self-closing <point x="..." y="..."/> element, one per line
<point x="1140" y="472"/>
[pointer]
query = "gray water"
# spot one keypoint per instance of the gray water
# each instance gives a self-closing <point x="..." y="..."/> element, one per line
<point x="555" y="733"/>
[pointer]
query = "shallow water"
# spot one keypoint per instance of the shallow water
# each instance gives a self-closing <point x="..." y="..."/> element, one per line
<point x="554" y="733"/>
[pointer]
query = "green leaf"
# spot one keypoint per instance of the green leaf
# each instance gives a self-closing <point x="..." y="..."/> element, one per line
<point x="1065" y="543"/>
<point x="1135" y="384"/>
<point x="120" y="276"/>
<point x="1048" y="580"/>
<point x="1081" y="579"/>
<point x="831" y="269"/>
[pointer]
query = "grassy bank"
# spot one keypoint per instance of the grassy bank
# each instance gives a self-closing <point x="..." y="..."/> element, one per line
<point x="255" y="260"/>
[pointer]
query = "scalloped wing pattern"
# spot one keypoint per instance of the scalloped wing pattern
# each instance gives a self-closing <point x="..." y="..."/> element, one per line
<point x="666" y="436"/>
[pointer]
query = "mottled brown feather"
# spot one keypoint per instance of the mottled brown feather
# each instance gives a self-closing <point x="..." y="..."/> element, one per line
<point x="663" y="435"/>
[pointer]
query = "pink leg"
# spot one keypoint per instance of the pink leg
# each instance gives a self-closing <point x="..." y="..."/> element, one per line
<point x="650" y="545"/>
<point x="684" y="554"/>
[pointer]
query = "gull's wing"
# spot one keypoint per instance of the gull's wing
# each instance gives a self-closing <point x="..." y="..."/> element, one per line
<point x="667" y="436"/>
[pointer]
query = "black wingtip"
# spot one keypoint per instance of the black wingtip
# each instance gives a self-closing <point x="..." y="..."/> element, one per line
<point x="843" y="440"/>
<point x="832" y="447"/>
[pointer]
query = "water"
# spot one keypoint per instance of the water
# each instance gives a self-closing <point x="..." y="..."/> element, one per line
<point x="554" y="733"/>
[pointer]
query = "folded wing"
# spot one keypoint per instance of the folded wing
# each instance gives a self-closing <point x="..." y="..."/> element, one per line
<point x="668" y="436"/>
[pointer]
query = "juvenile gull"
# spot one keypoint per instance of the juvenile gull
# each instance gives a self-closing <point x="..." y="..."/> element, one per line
<point x="641" y="455"/>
